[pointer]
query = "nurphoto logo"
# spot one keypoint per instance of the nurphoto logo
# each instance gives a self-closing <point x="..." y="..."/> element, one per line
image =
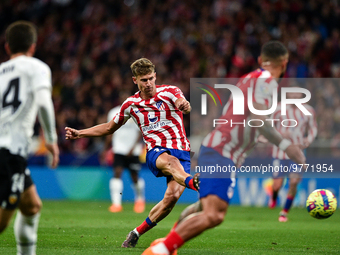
<point x="238" y="104"/>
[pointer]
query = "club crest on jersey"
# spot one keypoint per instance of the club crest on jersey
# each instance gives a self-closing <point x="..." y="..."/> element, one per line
<point x="160" y="105"/>
<point x="152" y="119"/>
<point x="12" y="199"/>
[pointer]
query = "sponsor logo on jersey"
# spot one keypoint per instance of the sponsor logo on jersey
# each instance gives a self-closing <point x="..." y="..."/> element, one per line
<point x="156" y="125"/>
<point x="152" y="119"/>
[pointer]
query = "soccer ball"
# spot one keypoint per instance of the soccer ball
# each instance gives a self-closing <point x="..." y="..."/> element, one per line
<point x="321" y="204"/>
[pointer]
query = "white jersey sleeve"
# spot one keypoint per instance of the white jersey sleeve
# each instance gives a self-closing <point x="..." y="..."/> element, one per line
<point x="174" y="93"/>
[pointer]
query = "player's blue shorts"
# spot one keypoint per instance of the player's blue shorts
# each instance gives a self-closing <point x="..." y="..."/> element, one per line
<point x="153" y="154"/>
<point x="221" y="187"/>
<point x="282" y="167"/>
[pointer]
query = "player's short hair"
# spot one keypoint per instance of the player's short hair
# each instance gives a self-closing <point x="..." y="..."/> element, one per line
<point x="20" y="35"/>
<point x="273" y="51"/>
<point x="142" y="66"/>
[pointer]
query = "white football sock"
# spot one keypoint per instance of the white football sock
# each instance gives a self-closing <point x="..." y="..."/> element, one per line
<point x="139" y="189"/>
<point x="116" y="189"/>
<point x="26" y="233"/>
<point x="136" y="232"/>
<point x="160" y="248"/>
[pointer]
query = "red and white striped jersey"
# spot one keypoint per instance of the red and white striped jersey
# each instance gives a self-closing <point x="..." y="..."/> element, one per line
<point x="306" y="127"/>
<point x="235" y="141"/>
<point x="159" y="120"/>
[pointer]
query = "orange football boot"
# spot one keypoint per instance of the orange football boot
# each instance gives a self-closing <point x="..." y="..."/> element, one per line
<point x="139" y="206"/>
<point x="115" y="208"/>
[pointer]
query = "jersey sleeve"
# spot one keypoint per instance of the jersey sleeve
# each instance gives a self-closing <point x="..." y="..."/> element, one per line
<point x="175" y="93"/>
<point x="312" y="125"/>
<point x="41" y="76"/>
<point x="124" y="114"/>
<point x="263" y="92"/>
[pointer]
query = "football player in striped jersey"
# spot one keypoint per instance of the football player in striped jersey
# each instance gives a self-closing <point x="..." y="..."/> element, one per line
<point x="158" y="112"/>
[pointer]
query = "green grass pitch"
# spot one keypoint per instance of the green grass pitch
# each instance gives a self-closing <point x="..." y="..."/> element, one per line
<point x="70" y="227"/>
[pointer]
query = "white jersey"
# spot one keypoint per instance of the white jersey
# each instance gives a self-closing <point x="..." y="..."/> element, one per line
<point x="20" y="78"/>
<point x="125" y="137"/>
<point x="306" y="127"/>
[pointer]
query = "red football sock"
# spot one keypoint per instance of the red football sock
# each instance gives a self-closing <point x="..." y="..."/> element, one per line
<point x="173" y="241"/>
<point x="145" y="226"/>
<point x="288" y="204"/>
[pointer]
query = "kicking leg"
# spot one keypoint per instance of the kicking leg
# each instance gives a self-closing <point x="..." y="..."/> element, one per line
<point x="157" y="213"/>
<point x="27" y="221"/>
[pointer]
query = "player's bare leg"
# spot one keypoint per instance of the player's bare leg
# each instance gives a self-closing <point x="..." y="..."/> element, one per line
<point x="5" y="217"/>
<point x="294" y="180"/>
<point x="170" y="165"/>
<point x="157" y="213"/>
<point x="164" y="207"/>
<point x="27" y="221"/>
<point x="277" y="184"/>
<point x="214" y="210"/>
<point x="193" y="208"/>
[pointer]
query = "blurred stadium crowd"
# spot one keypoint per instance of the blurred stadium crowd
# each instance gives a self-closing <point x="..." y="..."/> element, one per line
<point x="90" y="45"/>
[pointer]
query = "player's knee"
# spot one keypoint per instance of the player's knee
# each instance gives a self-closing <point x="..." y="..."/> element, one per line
<point x="294" y="181"/>
<point x="118" y="173"/>
<point x="171" y="199"/>
<point x="32" y="208"/>
<point x="172" y="162"/>
<point x="214" y="219"/>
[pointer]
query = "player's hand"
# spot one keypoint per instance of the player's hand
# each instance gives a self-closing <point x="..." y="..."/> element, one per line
<point x="306" y="143"/>
<point x="71" y="133"/>
<point x="295" y="153"/>
<point x="184" y="106"/>
<point x="262" y="139"/>
<point x="53" y="148"/>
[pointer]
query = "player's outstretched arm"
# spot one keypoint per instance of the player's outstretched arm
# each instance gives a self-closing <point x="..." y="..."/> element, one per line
<point x="183" y="105"/>
<point x="47" y="121"/>
<point x="268" y="131"/>
<point x="99" y="130"/>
